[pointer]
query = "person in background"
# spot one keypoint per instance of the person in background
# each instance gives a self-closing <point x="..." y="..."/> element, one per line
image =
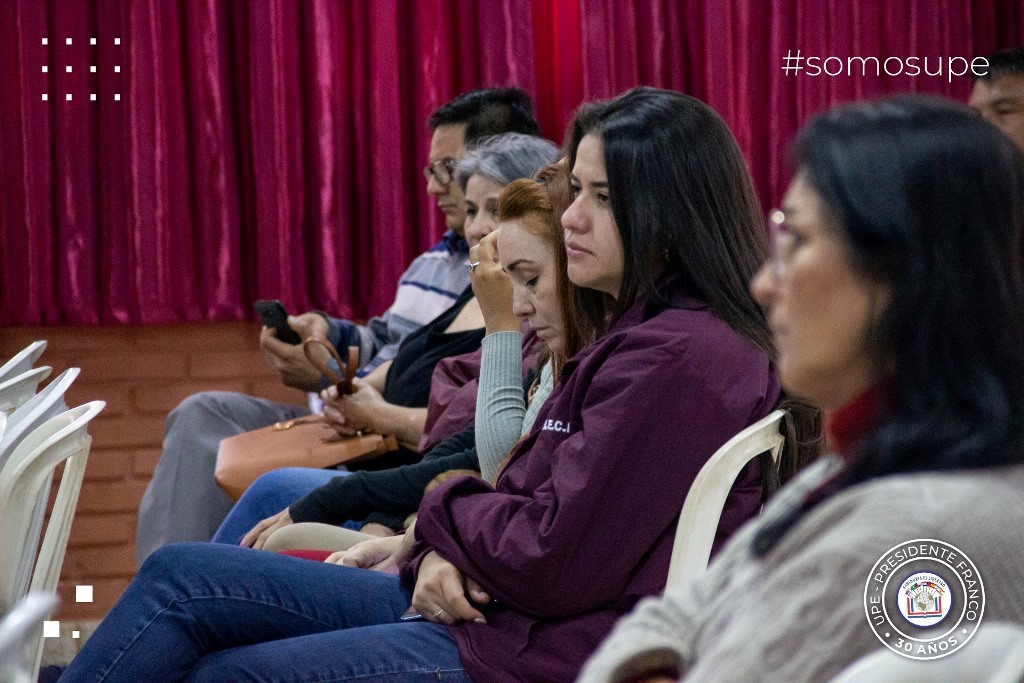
<point x="399" y="406"/>
<point x="183" y="501"/>
<point x="999" y="95"/>
<point x="896" y="298"/>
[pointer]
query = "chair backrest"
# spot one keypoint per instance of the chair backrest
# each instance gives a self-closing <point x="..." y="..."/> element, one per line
<point x="18" y="631"/>
<point x="22" y="483"/>
<point x="994" y="655"/>
<point x="22" y="361"/>
<point x="18" y="389"/>
<point x="702" y="509"/>
<point x="35" y="411"/>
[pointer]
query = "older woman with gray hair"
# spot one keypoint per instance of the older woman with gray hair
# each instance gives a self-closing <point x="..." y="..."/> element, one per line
<point x="393" y="399"/>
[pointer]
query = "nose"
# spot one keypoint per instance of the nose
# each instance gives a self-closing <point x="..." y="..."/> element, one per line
<point x="573" y="218"/>
<point x="435" y="188"/>
<point x="521" y="304"/>
<point x="479" y="228"/>
<point x="764" y="286"/>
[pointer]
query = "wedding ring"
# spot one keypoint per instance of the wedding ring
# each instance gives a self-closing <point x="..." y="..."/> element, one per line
<point x="438" y="613"/>
<point x="473" y="265"/>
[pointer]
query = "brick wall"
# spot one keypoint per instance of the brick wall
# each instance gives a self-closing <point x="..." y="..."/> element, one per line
<point x="142" y="373"/>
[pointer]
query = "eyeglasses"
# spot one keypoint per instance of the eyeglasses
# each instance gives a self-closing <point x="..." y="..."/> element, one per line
<point x="781" y="241"/>
<point x="441" y="170"/>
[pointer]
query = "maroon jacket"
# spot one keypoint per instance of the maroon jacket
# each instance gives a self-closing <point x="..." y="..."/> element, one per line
<point x="581" y="524"/>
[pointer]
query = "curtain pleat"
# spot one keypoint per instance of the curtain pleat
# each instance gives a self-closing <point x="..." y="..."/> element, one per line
<point x="273" y="149"/>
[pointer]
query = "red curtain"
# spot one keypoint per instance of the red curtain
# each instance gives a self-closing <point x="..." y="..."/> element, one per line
<point x="273" y="148"/>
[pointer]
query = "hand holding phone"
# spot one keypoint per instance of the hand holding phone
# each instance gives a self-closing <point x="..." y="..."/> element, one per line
<point x="273" y="315"/>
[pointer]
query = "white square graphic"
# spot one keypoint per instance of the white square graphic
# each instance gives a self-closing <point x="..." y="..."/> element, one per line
<point x="92" y="41"/>
<point x="45" y="68"/>
<point x="92" y="98"/>
<point x="68" y="97"/>
<point x="83" y="593"/>
<point x="67" y="41"/>
<point x="92" y="69"/>
<point x="117" y="69"/>
<point x="117" y="41"/>
<point x="45" y="97"/>
<point x="76" y="634"/>
<point x="45" y="41"/>
<point x="68" y="68"/>
<point x="117" y="97"/>
<point x="51" y="629"/>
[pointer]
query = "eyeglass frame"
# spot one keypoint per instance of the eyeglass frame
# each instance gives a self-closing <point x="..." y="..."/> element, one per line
<point x="447" y="165"/>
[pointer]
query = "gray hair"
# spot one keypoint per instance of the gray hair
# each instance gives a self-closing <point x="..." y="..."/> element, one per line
<point x="505" y="158"/>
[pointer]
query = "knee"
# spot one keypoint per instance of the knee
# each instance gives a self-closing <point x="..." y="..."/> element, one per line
<point x="164" y="564"/>
<point x="272" y="481"/>
<point x="197" y="405"/>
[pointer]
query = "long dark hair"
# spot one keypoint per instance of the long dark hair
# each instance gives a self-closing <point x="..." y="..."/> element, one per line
<point x="683" y="202"/>
<point x="929" y="199"/>
<point x="685" y="206"/>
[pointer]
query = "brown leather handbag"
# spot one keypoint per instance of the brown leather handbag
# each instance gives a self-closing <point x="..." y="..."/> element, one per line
<point x="302" y="442"/>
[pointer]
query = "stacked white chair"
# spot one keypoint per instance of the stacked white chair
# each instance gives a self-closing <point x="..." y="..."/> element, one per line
<point x="702" y="509"/>
<point x="22" y="361"/>
<point x="17" y="390"/>
<point x="19" y="634"/>
<point x="24" y="481"/>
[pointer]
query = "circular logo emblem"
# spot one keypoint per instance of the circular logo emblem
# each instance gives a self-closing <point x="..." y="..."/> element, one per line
<point x="924" y="599"/>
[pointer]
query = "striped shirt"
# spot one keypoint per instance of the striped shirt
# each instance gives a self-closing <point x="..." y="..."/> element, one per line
<point x="428" y="288"/>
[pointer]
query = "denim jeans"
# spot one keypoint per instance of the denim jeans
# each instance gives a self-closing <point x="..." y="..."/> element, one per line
<point x="268" y="495"/>
<point x="214" y="612"/>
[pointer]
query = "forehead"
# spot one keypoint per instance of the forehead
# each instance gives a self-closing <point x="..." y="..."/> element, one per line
<point x="480" y="187"/>
<point x="589" y="156"/>
<point x="447" y="141"/>
<point x="1007" y="86"/>
<point x="517" y="242"/>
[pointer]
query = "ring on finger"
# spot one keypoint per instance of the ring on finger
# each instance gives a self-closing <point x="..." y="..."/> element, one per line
<point x="473" y="265"/>
<point x="438" y="613"/>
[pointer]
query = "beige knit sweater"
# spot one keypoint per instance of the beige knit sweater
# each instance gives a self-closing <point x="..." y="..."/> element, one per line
<point x="798" y="614"/>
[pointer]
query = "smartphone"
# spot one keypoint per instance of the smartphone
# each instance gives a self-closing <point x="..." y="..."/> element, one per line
<point x="411" y="615"/>
<point x="272" y="314"/>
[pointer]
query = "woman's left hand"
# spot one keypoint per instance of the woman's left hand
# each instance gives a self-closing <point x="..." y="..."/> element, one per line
<point x="441" y="593"/>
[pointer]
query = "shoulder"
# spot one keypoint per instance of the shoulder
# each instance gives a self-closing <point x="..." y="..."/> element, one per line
<point x="980" y="511"/>
<point x="692" y="341"/>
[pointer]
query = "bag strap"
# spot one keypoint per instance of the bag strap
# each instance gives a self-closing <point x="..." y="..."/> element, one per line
<point x="344" y="384"/>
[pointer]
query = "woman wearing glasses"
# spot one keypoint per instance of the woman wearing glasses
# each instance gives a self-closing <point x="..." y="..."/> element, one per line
<point x="522" y="580"/>
<point x="896" y="298"/>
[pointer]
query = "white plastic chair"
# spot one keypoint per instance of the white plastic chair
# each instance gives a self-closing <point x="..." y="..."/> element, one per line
<point x="22" y="361"/>
<point x="22" y="483"/>
<point x="994" y="655"/>
<point x="19" y="630"/>
<point x="702" y="509"/>
<point x="17" y="390"/>
<point x="41" y="407"/>
<point x="46" y="404"/>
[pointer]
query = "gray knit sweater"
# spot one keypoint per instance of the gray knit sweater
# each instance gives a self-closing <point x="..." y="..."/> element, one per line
<point x="798" y="614"/>
<point x="502" y="416"/>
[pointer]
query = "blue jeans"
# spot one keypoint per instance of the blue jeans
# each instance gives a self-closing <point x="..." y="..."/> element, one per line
<point x="268" y="495"/>
<point x="212" y="612"/>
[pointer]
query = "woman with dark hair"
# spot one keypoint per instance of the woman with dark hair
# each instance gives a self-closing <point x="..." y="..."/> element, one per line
<point x="521" y="581"/>
<point x="896" y="297"/>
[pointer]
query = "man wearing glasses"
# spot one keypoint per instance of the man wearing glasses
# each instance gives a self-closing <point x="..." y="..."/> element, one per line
<point x="183" y="501"/>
